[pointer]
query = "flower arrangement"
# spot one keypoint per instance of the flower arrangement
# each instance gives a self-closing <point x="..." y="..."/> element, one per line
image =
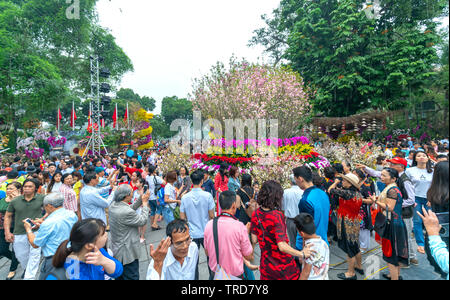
<point x="24" y="143"/>
<point x="56" y="141"/>
<point x="35" y="153"/>
<point x="353" y="152"/>
<point x="144" y="130"/>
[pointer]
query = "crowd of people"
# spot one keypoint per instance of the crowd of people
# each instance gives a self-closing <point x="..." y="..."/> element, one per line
<point x="86" y="218"/>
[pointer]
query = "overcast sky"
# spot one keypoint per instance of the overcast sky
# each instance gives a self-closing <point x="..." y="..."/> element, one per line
<point x="171" y="42"/>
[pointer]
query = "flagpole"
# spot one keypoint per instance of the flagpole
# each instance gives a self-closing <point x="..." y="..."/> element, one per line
<point x="57" y="118"/>
<point x="128" y="118"/>
<point x="73" y="116"/>
<point x="117" y="125"/>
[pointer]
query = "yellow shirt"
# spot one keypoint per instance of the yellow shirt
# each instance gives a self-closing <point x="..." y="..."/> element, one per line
<point x="77" y="188"/>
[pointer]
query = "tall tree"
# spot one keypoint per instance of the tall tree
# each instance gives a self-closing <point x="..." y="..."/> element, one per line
<point x="53" y="67"/>
<point x="176" y="108"/>
<point x="353" y="61"/>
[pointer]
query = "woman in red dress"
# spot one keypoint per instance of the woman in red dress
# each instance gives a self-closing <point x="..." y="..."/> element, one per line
<point x="268" y="228"/>
<point x="221" y="183"/>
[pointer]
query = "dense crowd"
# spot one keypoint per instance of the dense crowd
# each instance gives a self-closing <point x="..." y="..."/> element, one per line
<point x="86" y="218"/>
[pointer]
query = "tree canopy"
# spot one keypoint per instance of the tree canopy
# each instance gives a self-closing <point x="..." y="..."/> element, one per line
<point x="357" y="55"/>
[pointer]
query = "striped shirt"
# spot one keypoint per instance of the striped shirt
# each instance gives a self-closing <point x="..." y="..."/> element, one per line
<point x="70" y="198"/>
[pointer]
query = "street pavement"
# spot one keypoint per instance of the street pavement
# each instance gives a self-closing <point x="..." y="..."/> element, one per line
<point x="373" y="263"/>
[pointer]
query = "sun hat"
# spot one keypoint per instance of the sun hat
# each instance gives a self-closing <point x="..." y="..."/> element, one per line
<point x="353" y="179"/>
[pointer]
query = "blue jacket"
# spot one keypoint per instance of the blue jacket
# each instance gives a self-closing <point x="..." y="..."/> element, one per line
<point x="77" y="270"/>
<point x="439" y="252"/>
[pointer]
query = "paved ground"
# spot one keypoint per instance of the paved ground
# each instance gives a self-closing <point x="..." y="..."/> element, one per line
<point x="372" y="262"/>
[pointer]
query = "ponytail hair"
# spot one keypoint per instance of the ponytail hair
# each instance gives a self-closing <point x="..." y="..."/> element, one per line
<point x="83" y="232"/>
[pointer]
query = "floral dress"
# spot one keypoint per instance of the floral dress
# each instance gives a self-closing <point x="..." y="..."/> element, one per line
<point x="348" y="220"/>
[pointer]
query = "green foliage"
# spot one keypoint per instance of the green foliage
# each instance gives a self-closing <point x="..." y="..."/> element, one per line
<point x="355" y="62"/>
<point x="44" y="58"/>
<point x="176" y="108"/>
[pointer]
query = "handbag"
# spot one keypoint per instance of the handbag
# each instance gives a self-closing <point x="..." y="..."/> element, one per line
<point x="408" y="212"/>
<point x="220" y="273"/>
<point x="382" y="223"/>
<point x="176" y="212"/>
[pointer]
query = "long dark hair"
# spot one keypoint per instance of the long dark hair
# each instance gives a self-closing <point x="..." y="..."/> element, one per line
<point x="52" y="182"/>
<point x="223" y="170"/>
<point x="271" y="195"/>
<point x="429" y="163"/>
<point x="394" y="174"/>
<point x="438" y="192"/>
<point x="83" y="232"/>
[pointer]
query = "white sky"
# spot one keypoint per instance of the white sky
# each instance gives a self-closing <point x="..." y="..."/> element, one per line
<point x="171" y="42"/>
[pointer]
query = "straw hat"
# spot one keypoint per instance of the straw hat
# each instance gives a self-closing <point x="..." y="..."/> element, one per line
<point x="353" y="179"/>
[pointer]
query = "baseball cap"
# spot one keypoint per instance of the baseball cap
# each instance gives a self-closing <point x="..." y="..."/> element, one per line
<point x="398" y="161"/>
<point x="99" y="169"/>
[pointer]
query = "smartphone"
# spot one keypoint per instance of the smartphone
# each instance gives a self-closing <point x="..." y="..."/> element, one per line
<point x="443" y="221"/>
<point x="145" y="188"/>
<point x="28" y="220"/>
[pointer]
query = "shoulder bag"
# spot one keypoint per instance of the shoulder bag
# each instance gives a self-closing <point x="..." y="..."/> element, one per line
<point x="220" y="273"/>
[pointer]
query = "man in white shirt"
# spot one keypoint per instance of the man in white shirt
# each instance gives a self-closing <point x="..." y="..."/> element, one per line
<point x="197" y="207"/>
<point x="175" y="257"/>
<point x="291" y="198"/>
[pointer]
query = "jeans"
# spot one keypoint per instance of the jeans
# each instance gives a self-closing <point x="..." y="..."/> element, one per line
<point x="248" y="274"/>
<point x="154" y="208"/>
<point x="4" y="251"/>
<point x="167" y="214"/>
<point x="418" y="224"/>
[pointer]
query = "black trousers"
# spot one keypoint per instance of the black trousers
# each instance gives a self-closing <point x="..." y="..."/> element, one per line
<point x="200" y="242"/>
<point x="4" y="251"/>
<point x="130" y="271"/>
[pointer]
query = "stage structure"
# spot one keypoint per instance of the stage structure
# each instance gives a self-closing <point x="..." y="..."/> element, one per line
<point x="98" y="103"/>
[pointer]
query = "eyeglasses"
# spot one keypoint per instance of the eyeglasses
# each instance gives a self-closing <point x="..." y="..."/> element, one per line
<point x="179" y="245"/>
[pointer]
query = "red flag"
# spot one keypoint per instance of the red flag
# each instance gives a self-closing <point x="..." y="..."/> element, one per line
<point x="59" y="118"/>
<point x="126" y="115"/>
<point x="115" y="117"/>
<point x="73" y="118"/>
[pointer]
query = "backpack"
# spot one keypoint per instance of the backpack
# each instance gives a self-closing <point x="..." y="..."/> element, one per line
<point x="160" y="197"/>
<point x="158" y="186"/>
